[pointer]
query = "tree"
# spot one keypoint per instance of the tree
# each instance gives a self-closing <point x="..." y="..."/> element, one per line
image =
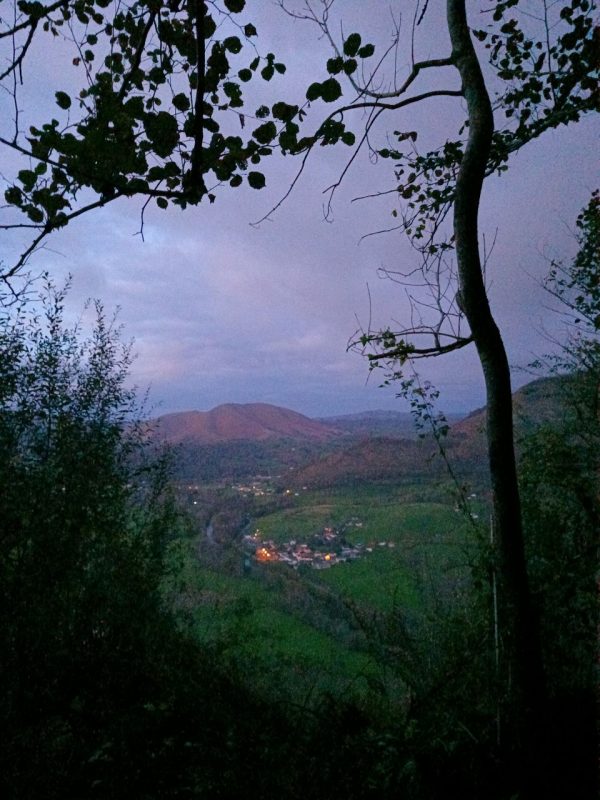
<point x="558" y="472"/>
<point x="158" y="114"/>
<point x="545" y="81"/>
<point x="103" y="694"/>
<point x="575" y="286"/>
<point x="82" y="530"/>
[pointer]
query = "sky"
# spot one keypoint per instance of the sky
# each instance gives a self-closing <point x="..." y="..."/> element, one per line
<point x="221" y="310"/>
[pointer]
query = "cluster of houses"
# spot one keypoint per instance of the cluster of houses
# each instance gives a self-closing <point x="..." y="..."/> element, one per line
<point x="322" y="550"/>
<point x="258" y="488"/>
<point x="261" y="486"/>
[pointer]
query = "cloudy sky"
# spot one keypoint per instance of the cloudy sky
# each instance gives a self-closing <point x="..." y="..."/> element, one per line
<point x="224" y="311"/>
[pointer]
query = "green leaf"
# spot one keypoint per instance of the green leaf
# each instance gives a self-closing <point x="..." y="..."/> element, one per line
<point x="331" y="131"/>
<point x="163" y="132"/>
<point x="330" y="90"/>
<point x="256" y="180"/>
<point x="233" y="44"/>
<point x="284" y="112"/>
<point x="352" y="44"/>
<point x="63" y="100"/>
<point x="267" y="72"/>
<point x="366" y="51"/>
<point x="313" y="92"/>
<point x="245" y="75"/>
<point x="28" y="179"/>
<point x="162" y="202"/>
<point x="135" y="107"/>
<point x="171" y="169"/>
<point x="155" y="174"/>
<point x="235" y="6"/>
<point x="211" y="125"/>
<point x="265" y="133"/>
<point x="234" y="93"/>
<point x="335" y="65"/>
<point x="235" y="181"/>
<point x="250" y="30"/>
<point x="34" y="214"/>
<point x="157" y="76"/>
<point x="288" y="140"/>
<point x="137" y="186"/>
<point x="350" y="66"/>
<point x="181" y="102"/>
<point x="13" y="196"/>
<point x="210" y="26"/>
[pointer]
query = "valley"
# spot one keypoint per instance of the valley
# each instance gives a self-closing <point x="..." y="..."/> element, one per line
<point x="301" y="573"/>
<point x="321" y="555"/>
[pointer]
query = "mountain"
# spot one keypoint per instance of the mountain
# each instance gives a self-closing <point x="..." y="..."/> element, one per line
<point x="240" y="422"/>
<point x="545" y="401"/>
<point x="238" y="441"/>
<point x="386" y="459"/>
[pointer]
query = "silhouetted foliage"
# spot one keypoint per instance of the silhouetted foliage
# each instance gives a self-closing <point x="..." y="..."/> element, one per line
<point x="102" y="695"/>
<point x="559" y="472"/>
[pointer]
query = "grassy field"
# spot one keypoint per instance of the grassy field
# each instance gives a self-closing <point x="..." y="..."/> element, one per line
<point x="278" y="651"/>
<point x="384" y="514"/>
<point x="292" y="632"/>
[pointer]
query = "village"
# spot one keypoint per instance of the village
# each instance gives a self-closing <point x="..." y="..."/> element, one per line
<point x="322" y="550"/>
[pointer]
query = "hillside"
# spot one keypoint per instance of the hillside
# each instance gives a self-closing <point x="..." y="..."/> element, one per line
<point x="371" y="460"/>
<point x="396" y="424"/>
<point x="238" y="441"/>
<point x="240" y="422"/>
<point x="543" y="401"/>
<point x="386" y="459"/>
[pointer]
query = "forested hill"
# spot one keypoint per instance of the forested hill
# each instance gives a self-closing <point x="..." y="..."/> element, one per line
<point x="542" y="402"/>
<point x="240" y="422"/>
<point x="235" y="441"/>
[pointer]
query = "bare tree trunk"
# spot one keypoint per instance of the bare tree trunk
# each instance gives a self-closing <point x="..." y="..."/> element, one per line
<point x="520" y="628"/>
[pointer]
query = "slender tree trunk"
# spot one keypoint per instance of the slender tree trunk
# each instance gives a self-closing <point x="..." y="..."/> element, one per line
<point x="520" y="628"/>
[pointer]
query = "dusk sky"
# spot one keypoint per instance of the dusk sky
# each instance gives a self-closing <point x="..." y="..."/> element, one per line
<point x="223" y="311"/>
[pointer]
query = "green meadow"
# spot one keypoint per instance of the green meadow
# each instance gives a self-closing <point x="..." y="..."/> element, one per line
<point x="299" y="632"/>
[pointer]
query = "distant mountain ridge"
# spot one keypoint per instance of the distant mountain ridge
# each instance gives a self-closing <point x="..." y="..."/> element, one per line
<point x="240" y="422"/>
<point x="394" y="424"/>
<point x="242" y="440"/>
<point x="544" y="401"/>
<point x="382" y="458"/>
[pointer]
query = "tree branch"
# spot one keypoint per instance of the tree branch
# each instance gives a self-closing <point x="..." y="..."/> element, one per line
<point x="19" y="60"/>
<point x="46" y="10"/>
<point x="196" y="177"/>
<point x="421" y="352"/>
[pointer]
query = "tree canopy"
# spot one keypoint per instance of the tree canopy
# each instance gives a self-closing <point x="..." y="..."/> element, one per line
<point x="154" y="106"/>
<point x="157" y="103"/>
